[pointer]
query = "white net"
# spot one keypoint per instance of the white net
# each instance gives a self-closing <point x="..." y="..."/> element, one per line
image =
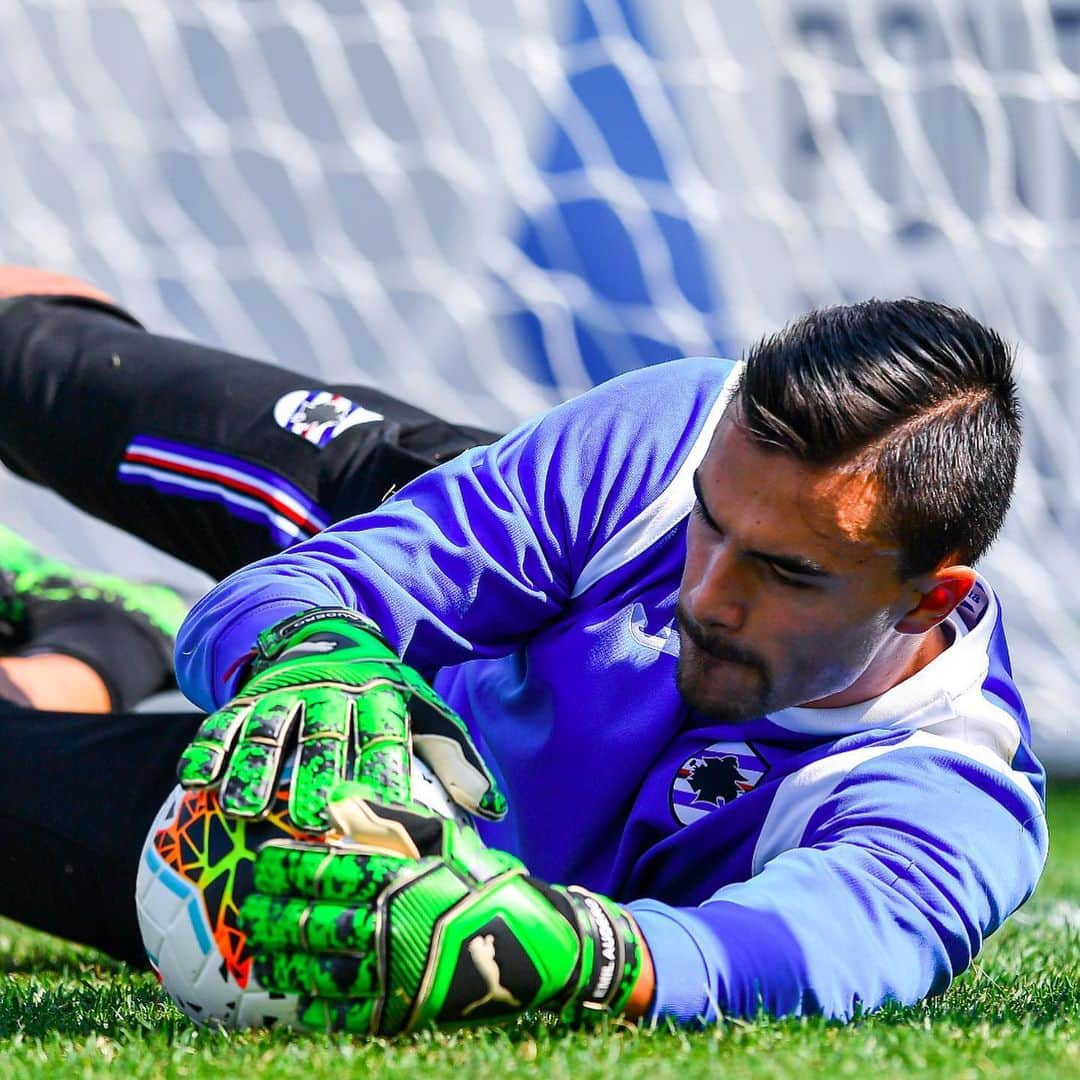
<point x="485" y="207"/>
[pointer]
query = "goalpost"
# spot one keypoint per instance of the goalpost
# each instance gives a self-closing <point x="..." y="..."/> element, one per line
<point x="485" y="206"/>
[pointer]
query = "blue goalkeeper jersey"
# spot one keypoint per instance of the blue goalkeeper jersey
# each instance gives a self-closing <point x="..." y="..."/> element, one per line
<point x="812" y="860"/>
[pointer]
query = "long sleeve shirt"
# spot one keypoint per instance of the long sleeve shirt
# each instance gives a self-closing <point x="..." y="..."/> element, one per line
<point x="811" y="860"/>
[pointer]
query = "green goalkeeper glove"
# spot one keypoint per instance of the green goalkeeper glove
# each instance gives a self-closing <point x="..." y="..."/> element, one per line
<point x="327" y="684"/>
<point x="380" y="944"/>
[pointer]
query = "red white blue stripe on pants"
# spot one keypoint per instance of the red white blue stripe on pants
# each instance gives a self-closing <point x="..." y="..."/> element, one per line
<point x="247" y="491"/>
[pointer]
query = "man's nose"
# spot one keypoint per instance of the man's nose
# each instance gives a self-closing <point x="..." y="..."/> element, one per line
<point x="721" y="596"/>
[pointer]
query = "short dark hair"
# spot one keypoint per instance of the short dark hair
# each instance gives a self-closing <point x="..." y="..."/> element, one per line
<point x="919" y="393"/>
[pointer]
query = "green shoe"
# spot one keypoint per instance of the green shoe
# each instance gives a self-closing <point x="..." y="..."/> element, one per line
<point x="34" y="591"/>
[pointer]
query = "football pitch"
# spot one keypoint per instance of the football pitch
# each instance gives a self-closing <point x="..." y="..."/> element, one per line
<point x="65" y="1011"/>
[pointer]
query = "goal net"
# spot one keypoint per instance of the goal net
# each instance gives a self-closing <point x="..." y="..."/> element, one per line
<point x="485" y="206"/>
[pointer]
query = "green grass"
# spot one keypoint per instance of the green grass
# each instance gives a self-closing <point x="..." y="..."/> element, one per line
<point x="69" y="1012"/>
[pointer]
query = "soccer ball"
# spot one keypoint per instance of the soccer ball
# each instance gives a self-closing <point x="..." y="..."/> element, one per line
<point x="194" y="872"/>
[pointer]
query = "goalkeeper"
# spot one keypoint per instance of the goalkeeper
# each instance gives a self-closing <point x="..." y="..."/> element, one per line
<point x="714" y="630"/>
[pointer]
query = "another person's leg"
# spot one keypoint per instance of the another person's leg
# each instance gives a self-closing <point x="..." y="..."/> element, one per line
<point x="214" y="458"/>
<point x="77" y="796"/>
<point x="56" y="621"/>
<point x="53" y="681"/>
<point x="79" y="789"/>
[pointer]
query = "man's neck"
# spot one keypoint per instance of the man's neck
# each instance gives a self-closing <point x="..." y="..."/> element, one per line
<point x="888" y="670"/>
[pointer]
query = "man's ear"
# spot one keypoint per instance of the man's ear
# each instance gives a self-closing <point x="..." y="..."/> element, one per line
<point x="938" y="593"/>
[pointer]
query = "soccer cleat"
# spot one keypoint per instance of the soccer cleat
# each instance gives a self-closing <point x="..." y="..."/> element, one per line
<point x="37" y="591"/>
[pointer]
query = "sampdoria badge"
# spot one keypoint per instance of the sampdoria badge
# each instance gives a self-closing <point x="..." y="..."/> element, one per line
<point x="714" y="777"/>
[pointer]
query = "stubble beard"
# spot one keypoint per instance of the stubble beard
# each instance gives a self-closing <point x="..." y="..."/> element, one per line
<point x="746" y="702"/>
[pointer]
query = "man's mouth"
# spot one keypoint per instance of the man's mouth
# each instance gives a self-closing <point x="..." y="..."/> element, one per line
<point x="718" y="648"/>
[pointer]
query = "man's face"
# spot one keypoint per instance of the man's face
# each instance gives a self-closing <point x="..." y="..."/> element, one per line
<point x="790" y="592"/>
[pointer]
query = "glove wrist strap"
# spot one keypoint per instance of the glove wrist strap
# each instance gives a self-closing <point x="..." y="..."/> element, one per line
<point x="334" y="627"/>
<point x="612" y="953"/>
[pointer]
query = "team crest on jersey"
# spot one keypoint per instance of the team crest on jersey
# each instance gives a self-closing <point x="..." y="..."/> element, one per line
<point x="714" y="777"/>
<point x="319" y="415"/>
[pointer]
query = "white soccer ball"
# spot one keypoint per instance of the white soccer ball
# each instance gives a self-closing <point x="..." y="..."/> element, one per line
<point x="194" y="872"/>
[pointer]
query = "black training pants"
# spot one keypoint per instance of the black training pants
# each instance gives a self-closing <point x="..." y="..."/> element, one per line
<point x="215" y="459"/>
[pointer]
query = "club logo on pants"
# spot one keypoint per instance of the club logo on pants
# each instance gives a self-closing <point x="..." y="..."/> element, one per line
<point x="714" y="777"/>
<point x="320" y="415"/>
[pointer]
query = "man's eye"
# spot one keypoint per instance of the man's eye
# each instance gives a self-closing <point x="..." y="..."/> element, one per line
<point x="787" y="579"/>
<point x="699" y="512"/>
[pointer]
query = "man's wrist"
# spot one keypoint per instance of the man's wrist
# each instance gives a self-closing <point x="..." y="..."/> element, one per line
<point x="641" y="997"/>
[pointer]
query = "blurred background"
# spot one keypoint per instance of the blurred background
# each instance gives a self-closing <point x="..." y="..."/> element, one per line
<point x="486" y="206"/>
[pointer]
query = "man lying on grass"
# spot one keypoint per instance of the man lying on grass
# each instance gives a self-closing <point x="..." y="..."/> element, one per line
<point x="714" y="629"/>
